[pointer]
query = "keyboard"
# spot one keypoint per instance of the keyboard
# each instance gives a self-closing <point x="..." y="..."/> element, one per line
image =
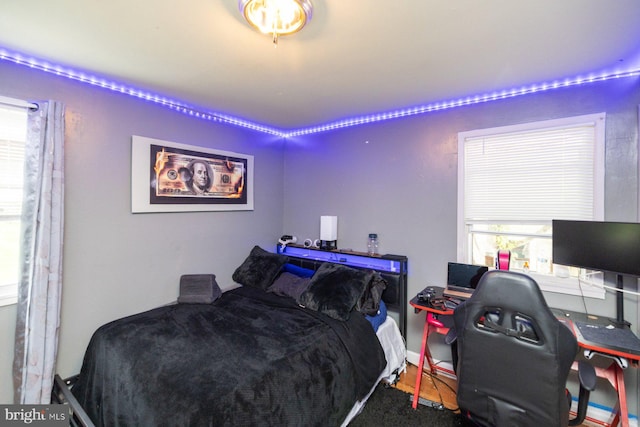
<point x="458" y="292"/>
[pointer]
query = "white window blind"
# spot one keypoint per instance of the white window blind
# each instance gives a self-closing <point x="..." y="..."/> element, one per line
<point x="514" y="180"/>
<point x="13" y="129"/>
<point x="534" y="175"/>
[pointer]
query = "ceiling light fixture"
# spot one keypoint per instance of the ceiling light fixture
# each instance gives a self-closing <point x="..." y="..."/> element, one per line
<point x="276" y="17"/>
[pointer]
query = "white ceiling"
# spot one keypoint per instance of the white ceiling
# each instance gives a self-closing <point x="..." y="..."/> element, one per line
<point x="355" y="57"/>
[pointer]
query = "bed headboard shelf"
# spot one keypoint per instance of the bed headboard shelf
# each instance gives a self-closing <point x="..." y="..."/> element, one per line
<point x="393" y="269"/>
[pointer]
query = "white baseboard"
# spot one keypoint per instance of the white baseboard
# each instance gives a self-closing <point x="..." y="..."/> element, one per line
<point x="413" y="357"/>
<point x="601" y="415"/>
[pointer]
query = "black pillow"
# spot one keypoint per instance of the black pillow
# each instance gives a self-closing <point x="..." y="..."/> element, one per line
<point x="369" y="302"/>
<point x="260" y="268"/>
<point x="289" y="285"/>
<point x="335" y="289"/>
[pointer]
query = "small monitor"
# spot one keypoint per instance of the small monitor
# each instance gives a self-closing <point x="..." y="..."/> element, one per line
<point x="464" y="275"/>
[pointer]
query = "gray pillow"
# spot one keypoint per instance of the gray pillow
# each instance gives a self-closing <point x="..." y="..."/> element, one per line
<point x="335" y="289"/>
<point x="289" y="285"/>
<point x="198" y="289"/>
<point x="259" y="269"/>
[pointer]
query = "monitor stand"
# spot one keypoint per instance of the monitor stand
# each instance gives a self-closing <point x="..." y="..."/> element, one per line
<point x="619" y="321"/>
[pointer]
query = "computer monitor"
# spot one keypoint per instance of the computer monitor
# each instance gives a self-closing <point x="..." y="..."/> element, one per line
<point x="464" y="275"/>
<point x="599" y="245"/>
<point x="604" y="246"/>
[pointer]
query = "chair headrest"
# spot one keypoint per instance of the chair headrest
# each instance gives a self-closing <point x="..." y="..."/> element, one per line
<point x="517" y="291"/>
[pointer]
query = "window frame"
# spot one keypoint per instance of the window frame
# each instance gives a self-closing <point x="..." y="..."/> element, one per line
<point x="548" y="283"/>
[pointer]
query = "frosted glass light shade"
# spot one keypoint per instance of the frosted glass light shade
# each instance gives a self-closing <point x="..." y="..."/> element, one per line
<point x="276" y="17"/>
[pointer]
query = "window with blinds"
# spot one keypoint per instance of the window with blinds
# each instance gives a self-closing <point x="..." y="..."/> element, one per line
<point x="512" y="181"/>
<point x="13" y="132"/>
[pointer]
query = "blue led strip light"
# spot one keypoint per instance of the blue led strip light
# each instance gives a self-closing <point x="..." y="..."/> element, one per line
<point x="445" y="105"/>
<point x="374" y="263"/>
<point x="136" y="93"/>
<point x="340" y="124"/>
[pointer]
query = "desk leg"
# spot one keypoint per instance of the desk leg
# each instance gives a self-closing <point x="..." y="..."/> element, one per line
<point x="423" y="349"/>
<point x="622" y="395"/>
<point x="615" y="375"/>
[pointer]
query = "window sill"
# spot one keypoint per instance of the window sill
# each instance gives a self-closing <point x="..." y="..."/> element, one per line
<point x="8" y="294"/>
<point x="591" y="288"/>
<point x="8" y="300"/>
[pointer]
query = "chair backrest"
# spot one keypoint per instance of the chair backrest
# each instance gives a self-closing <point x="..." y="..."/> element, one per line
<point x="514" y="356"/>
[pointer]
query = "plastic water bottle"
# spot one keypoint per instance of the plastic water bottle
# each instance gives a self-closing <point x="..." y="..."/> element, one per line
<point x="372" y="244"/>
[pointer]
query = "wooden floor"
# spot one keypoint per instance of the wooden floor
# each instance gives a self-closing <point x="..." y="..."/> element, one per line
<point x="438" y="388"/>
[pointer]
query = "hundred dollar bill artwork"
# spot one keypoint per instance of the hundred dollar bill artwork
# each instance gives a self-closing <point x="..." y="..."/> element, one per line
<point x="179" y="178"/>
<point x="181" y="173"/>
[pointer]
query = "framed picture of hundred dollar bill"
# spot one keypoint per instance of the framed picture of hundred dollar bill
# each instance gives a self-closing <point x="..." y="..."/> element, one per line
<point x="171" y="177"/>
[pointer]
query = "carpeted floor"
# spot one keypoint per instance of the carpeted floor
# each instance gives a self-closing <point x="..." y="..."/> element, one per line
<point x="389" y="406"/>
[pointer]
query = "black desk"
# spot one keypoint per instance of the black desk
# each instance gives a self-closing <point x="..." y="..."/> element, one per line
<point x="595" y="335"/>
<point x="599" y="336"/>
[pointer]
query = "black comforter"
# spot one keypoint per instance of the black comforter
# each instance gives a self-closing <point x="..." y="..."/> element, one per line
<point x="250" y="358"/>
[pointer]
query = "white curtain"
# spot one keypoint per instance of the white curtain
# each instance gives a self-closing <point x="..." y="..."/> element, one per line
<point x="36" y="340"/>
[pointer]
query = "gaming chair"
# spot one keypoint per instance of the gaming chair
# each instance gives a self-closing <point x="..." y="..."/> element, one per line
<point x="514" y="356"/>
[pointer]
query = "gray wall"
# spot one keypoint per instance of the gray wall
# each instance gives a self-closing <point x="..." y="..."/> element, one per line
<point x="117" y="263"/>
<point x="399" y="179"/>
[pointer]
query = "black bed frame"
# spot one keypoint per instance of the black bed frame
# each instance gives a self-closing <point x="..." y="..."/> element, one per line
<point x="61" y="394"/>
<point x="393" y="268"/>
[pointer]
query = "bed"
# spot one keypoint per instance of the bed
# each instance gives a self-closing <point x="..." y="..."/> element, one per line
<point x="288" y="348"/>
